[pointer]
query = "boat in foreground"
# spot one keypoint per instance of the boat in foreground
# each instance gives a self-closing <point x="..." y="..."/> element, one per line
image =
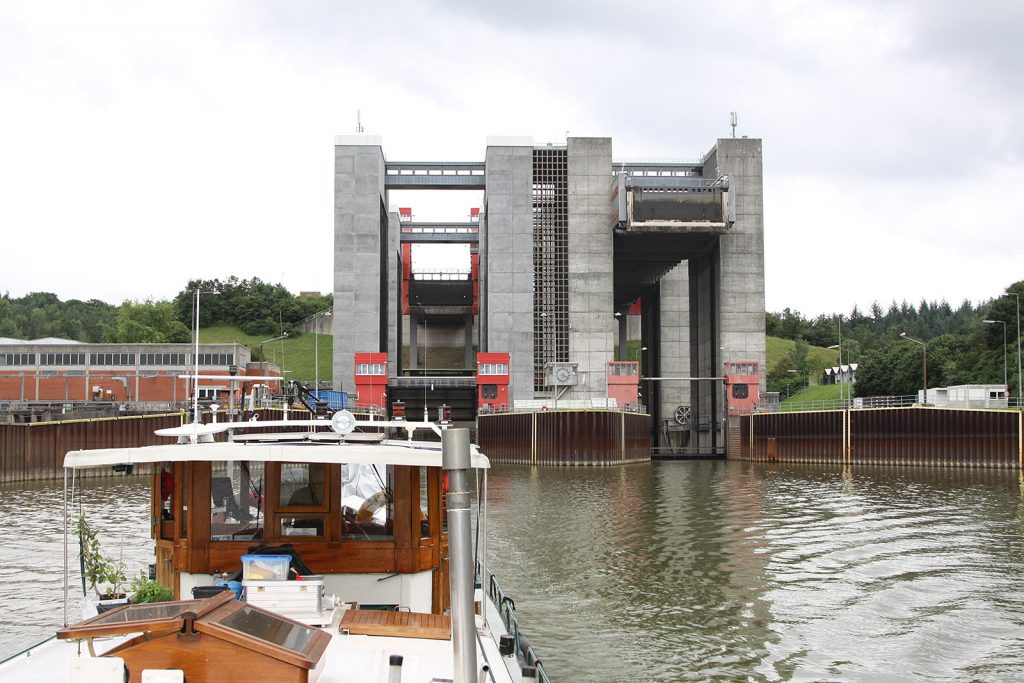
<point x="342" y="556"/>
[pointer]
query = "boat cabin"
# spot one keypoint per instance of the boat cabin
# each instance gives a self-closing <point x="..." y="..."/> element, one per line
<point x="366" y="526"/>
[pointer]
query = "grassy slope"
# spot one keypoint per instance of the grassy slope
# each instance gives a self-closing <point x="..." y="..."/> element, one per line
<point x="297" y="353"/>
<point x="817" y="357"/>
<point x="817" y="392"/>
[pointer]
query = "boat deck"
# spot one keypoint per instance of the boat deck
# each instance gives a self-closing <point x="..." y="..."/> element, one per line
<point x="396" y="624"/>
<point x="350" y="657"/>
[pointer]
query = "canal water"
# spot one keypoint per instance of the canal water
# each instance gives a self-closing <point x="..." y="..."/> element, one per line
<point x="686" y="571"/>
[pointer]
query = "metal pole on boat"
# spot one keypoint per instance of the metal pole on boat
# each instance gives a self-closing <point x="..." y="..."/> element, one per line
<point x="455" y="458"/>
<point x="395" y="669"/>
<point x="485" y="581"/>
<point x="65" y="546"/>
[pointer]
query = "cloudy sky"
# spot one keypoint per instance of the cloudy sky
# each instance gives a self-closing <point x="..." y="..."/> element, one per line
<point x="144" y="143"/>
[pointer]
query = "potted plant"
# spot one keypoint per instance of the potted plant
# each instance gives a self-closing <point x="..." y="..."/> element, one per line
<point x="144" y="589"/>
<point x="103" y="576"/>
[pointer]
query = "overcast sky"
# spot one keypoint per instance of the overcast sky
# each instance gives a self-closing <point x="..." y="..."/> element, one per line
<point x="144" y="143"/>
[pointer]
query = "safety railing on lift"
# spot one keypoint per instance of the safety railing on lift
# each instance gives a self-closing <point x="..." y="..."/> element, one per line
<point x="868" y="402"/>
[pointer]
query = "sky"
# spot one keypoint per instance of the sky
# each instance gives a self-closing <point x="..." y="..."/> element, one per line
<point x="143" y="144"/>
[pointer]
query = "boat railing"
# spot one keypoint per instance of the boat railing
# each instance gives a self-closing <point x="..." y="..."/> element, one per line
<point x="507" y="610"/>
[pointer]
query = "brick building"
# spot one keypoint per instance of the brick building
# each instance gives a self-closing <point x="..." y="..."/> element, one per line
<point x="65" y="370"/>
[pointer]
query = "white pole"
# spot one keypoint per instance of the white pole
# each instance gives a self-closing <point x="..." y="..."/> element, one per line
<point x="195" y="367"/>
<point x="841" y="373"/>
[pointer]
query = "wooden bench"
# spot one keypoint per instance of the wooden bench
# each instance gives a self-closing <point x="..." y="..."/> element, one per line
<point x="396" y="624"/>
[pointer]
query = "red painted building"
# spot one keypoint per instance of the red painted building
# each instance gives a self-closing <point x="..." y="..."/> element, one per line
<point x="492" y="380"/>
<point x="742" y="386"/>
<point x="371" y="379"/>
<point x="624" y="382"/>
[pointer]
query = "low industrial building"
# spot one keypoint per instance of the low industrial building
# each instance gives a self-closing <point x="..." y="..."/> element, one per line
<point x="64" y="370"/>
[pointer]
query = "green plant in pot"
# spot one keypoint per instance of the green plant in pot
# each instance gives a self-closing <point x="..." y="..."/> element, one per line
<point x="146" y="590"/>
<point x="103" y="575"/>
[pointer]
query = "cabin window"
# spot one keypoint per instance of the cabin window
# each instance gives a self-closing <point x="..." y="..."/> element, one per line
<point x="367" y="501"/>
<point x="166" y="491"/>
<point x="424" y="505"/>
<point x="184" y="499"/>
<point x="302" y="489"/>
<point x="236" y="501"/>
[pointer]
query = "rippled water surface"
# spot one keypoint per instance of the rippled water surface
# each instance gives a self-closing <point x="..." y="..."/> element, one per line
<point x="32" y="551"/>
<point x="730" y="571"/>
<point x="685" y="571"/>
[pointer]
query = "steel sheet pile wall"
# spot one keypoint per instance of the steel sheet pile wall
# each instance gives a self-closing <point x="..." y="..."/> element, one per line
<point x="506" y="437"/>
<point x="886" y="436"/>
<point x="566" y="437"/>
<point x="797" y="437"/>
<point x="36" y="451"/>
<point x="935" y="436"/>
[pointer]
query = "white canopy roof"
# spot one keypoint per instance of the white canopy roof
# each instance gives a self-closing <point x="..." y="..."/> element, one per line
<point x="415" y="454"/>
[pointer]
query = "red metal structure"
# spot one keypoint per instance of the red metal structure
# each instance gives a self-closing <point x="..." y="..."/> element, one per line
<point x="742" y="386"/>
<point x="371" y="379"/>
<point x="624" y="382"/>
<point x="492" y="378"/>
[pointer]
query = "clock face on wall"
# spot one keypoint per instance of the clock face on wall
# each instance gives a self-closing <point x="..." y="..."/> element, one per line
<point x="563" y="374"/>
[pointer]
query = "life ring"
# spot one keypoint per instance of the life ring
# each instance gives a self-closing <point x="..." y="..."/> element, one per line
<point x="371" y="505"/>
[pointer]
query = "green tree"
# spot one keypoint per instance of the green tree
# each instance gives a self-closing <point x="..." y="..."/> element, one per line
<point x="147" y="322"/>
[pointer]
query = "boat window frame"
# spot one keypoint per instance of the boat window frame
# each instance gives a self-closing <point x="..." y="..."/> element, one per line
<point x="101" y="625"/>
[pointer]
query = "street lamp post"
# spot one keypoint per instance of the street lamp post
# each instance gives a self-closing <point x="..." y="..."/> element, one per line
<point x="263" y="359"/>
<point x="636" y="358"/>
<point x="1003" y="323"/>
<point x="316" y="347"/>
<point x="195" y="358"/>
<point x="840" y="348"/>
<point x="924" y="364"/>
<point x="1019" y="376"/>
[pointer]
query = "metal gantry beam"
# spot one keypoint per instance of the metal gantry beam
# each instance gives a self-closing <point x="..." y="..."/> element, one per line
<point x="434" y="175"/>
<point x="439" y="232"/>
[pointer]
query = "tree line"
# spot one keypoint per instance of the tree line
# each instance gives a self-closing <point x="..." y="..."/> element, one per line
<point x="962" y="348"/>
<point x="256" y="307"/>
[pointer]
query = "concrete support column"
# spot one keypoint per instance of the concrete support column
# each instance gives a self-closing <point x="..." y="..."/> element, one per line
<point x="591" y="249"/>
<point x="704" y="360"/>
<point x="674" y="350"/>
<point x="623" y="334"/>
<point x="469" y="341"/>
<point x="393" y="295"/>
<point x="741" y="253"/>
<point x="414" y="323"/>
<point x="362" y="235"/>
<point x="506" y="256"/>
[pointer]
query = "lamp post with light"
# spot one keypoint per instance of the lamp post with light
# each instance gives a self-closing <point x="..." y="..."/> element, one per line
<point x="195" y="358"/>
<point x="924" y="364"/>
<point x="1019" y="376"/>
<point x="263" y="358"/>
<point x="636" y="359"/>
<point x="1003" y="323"/>
<point x="316" y="348"/>
<point x="840" y="349"/>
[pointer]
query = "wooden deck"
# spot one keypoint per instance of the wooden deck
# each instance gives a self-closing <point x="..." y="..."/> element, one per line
<point x="396" y="624"/>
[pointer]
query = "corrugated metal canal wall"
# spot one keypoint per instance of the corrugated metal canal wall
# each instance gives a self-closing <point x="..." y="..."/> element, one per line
<point x="36" y="450"/>
<point x="565" y="437"/>
<point x="883" y="436"/>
